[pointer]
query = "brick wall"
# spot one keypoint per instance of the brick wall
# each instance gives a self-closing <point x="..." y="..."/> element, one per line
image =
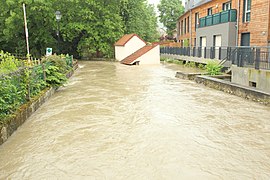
<point x="258" y="27"/>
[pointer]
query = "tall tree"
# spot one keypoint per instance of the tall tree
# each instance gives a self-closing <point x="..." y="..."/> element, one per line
<point x="170" y="11"/>
<point x="93" y="29"/>
<point x="140" y="18"/>
<point x="40" y="17"/>
<point x="87" y="26"/>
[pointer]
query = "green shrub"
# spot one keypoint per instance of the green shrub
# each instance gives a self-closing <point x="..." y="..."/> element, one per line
<point x="213" y="68"/>
<point x="17" y="85"/>
<point x="36" y="81"/>
<point x="57" y="61"/>
<point x="8" y="63"/>
<point x="54" y="76"/>
<point x="13" y="90"/>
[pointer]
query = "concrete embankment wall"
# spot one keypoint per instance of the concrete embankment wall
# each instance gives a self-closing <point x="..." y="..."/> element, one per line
<point x="251" y="76"/>
<point x="249" y="93"/>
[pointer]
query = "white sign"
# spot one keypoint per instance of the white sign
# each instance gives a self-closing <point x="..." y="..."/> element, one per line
<point x="48" y="51"/>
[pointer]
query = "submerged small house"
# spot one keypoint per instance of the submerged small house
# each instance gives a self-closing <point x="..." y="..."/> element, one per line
<point x="131" y="50"/>
<point x="127" y="45"/>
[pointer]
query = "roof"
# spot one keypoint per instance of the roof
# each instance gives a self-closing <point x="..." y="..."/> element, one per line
<point x="122" y="41"/>
<point x="133" y="57"/>
<point x="202" y="2"/>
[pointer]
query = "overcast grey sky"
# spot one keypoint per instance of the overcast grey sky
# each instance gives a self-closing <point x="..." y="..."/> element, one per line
<point x="157" y="1"/>
<point x="153" y="2"/>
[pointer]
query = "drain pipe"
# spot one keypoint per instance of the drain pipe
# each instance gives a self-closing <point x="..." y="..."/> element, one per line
<point x="237" y="23"/>
<point x="267" y="44"/>
<point x="190" y="29"/>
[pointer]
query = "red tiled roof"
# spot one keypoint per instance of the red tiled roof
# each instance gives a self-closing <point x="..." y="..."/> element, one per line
<point x="125" y="39"/>
<point x="133" y="57"/>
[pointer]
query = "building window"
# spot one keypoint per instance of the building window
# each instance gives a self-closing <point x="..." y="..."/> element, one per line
<point x="179" y="28"/>
<point x="247" y="8"/>
<point x="185" y="25"/>
<point x="226" y="6"/>
<point x="182" y="26"/>
<point x="209" y="11"/>
<point x="196" y="20"/>
<point x="188" y="24"/>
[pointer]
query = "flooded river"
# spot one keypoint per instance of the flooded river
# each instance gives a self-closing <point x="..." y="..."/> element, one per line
<point x="120" y="122"/>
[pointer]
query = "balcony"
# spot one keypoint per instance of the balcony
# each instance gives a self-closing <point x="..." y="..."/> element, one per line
<point x="219" y="18"/>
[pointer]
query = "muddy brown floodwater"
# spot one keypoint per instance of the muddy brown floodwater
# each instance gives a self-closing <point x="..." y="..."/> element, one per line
<point x="121" y="122"/>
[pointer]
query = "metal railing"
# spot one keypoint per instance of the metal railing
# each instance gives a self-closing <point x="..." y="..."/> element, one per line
<point x="253" y="57"/>
<point x="222" y="17"/>
<point x="200" y="52"/>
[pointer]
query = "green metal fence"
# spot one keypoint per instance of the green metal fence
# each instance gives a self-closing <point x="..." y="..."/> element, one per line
<point x="18" y="87"/>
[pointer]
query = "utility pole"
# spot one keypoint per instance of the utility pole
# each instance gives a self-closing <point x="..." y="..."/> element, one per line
<point x="26" y="33"/>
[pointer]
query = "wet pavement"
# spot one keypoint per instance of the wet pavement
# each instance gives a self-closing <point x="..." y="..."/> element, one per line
<point x="139" y="122"/>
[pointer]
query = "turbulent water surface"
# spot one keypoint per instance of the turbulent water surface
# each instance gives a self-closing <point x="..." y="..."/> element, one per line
<point x="121" y="122"/>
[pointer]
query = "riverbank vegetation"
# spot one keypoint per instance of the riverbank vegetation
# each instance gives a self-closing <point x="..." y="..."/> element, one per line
<point x="20" y="81"/>
<point x="212" y="68"/>
<point x="87" y="27"/>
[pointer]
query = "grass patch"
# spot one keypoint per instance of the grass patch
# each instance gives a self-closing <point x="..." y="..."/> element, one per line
<point x="190" y="64"/>
<point x="202" y="66"/>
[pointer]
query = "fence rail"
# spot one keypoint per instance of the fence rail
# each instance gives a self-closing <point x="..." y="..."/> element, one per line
<point x="254" y="57"/>
<point x="20" y="86"/>
<point x="200" y="52"/>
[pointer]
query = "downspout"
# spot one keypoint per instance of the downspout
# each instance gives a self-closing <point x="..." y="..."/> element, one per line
<point x="190" y="28"/>
<point x="237" y="22"/>
<point x="268" y="23"/>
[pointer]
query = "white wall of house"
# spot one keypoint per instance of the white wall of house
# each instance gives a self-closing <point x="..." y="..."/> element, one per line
<point x="134" y="44"/>
<point x="120" y="53"/>
<point x="151" y="57"/>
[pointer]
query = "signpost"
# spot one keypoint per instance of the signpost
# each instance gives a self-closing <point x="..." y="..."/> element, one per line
<point x="48" y="51"/>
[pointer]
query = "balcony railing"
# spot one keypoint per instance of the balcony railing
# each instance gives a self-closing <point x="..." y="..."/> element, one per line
<point x="222" y="17"/>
